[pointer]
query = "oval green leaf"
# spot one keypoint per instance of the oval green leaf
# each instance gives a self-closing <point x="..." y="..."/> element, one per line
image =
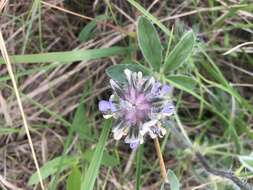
<point x="51" y="168"/>
<point x="180" y="53"/>
<point x="74" y="179"/>
<point x="81" y="123"/>
<point x="87" y="31"/>
<point x="182" y="82"/>
<point x="173" y="181"/>
<point x="149" y="43"/>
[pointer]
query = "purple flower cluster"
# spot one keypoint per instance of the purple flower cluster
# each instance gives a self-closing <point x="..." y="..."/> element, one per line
<point x="139" y="108"/>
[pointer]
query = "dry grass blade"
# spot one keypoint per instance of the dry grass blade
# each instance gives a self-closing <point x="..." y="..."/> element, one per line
<point x="200" y="10"/>
<point x="7" y="184"/>
<point x="84" y="17"/>
<point x="66" y="11"/>
<point x="2" y="4"/>
<point x="237" y="47"/>
<point x="5" y="110"/>
<point x="10" y="71"/>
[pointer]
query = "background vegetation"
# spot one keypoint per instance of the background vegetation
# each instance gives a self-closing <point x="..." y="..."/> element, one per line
<point x="59" y="51"/>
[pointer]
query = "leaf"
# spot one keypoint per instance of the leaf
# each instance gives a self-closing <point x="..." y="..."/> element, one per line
<point x="116" y="72"/>
<point x="139" y="167"/>
<point x="150" y="16"/>
<point x="173" y="181"/>
<point x="67" y="56"/>
<point x="107" y="160"/>
<point x="6" y="131"/>
<point x="216" y="74"/>
<point x="81" y="124"/>
<point x="187" y="84"/>
<point x="29" y="71"/>
<point x="180" y="53"/>
<point x="92" y="173"/>
<point x="74" y="179"/>
<point x="51" y="167"/>
<point x="149" y="43"/>
<point x="247" y="161"/>
<point x="242" y="126"/>
<point x="211" y="68"/>
<point x="182" y="82"/>
<point x="86" y="32"/>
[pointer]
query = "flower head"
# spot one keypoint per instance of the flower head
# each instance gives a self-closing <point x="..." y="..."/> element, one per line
<point x="139" y="106"/>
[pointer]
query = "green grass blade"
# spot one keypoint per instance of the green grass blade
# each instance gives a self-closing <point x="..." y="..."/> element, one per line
<point x="108" y="160"/>
<point x="150" y="16"/>
<point x="67" y="142"/>
<point x="43" y="108"/>
<point x="31" y="71"/>
<point x="92" y="173"/>
<point x="216" y="74"/>
<point x="8" y="131"/>
<point x="187" y="88"/>
<point x="67" y="56"/>
<point x="139" y="167"/>
<point x="30" y="21"/>
<point x="74" y="179"/>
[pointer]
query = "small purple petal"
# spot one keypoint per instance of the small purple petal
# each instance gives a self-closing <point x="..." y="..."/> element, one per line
<point x="134" y="145"/>
<point x="112" y="107"/>
<point x="168" y="108"/>
<point x="104" y="105"/>
<point x="165" y="89"/>
<point x="156" y="87"/>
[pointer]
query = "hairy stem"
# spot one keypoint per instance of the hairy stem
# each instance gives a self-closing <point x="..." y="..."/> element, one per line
<point x="221" y="173"/>
<point x="160" y="157"/>
<point x="204" y="163"/>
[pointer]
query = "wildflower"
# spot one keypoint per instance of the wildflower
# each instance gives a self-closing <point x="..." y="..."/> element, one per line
<point x="140" y="106"/>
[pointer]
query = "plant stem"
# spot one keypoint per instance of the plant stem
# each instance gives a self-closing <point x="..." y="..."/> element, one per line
<point x="161" y="161"/>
